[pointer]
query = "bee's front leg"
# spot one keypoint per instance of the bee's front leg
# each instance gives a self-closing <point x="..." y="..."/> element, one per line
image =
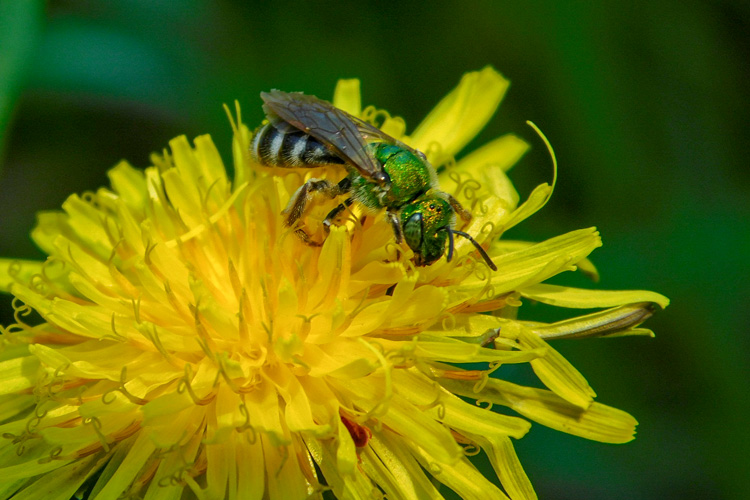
<point x="395" y="222"/>
<point x="459" y="209"/>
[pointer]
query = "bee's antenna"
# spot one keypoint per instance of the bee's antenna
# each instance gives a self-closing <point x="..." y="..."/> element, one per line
<point x="479" y="248"/>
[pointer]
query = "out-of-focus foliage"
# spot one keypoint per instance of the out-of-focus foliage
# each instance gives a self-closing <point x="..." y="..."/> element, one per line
<point x="20" y="24"/>
<point x="646" y="104"/>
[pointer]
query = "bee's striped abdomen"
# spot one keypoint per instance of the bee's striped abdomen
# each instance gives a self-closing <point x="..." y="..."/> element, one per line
<point x="292" y="149"/>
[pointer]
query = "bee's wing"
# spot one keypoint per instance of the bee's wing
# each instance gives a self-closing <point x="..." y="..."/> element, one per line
<point x="373" y="134"/>
<point x="334" y="127"/>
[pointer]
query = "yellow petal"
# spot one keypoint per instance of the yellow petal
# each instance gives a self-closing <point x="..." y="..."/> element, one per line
<point x="346" y="452"/>
<point x="62" y="485"/>
<point x="212" y="174"/>
<point x="471" y="328"/>
<point x="176" y="427"/>
<point x="355" y="486"/>
<point x="218" y="458"/>
<point x="17" y="271"/>
<point x="507" y="466"/>
<point x="556" y="372"/>
<point x="162" y="486"/>
<point x="424" y="304"/>
<point x="453" y="411"/>
<point x="462" y="477"/>
<point x="487" y="165"/>
<point x="531" y="265"/>
<point x="264" y="414"/>
<point x="506" y="246"/>
<point x="18" y="374"/>
<point x="298" y="414"/>
<point x="408" y="479"/>
<point x="347" y="96"/>
<point x="564" y="296"/>
<point x="130" y="184"/>
<point x="287" y="480"/>
<point x="536" y="200"/>
<point x="12" y="405"/>
<point x="85" y="220"/>
<point x="49" y="225"/>
<point x="460" y="115"/>
<point x="241" y="154"/>
<point x="597" y="422"/>
<point x="454" y="351"/>
<point x="251" y="470"/>
<point x="139" y="450"/>
<point x="499" y="154"/>
<point x="422" y="430"/>
<point x="31" y="468"/>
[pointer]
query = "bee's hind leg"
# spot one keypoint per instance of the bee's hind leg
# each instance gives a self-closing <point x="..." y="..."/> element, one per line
<point x="301" y="198"/>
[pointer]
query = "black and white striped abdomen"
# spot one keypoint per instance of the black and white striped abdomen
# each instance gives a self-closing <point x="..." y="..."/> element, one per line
<point x="292" y="149"/>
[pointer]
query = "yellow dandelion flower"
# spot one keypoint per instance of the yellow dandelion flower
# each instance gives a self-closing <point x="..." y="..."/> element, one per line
<point x="191" y="346"/>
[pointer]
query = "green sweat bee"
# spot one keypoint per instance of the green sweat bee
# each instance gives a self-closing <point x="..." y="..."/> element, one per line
<point x="384" y="173"/>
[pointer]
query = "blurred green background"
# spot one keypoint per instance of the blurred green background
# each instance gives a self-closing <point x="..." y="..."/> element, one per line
<point x="645" y="102"/>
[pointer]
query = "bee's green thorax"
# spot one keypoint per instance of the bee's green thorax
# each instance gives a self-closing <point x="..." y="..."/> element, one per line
<point x="424" y="223"/>
<point x="410" y="176"/>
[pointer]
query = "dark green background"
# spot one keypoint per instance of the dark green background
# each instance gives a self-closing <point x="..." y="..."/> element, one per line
<point x="645" y="103"/>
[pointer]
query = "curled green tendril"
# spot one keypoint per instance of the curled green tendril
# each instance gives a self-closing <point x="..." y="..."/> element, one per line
<point x="33" y="422"/>
<point x="20" y="309"/>
<point x="480" y="402"/>
<point x="147" y="254"/>
<point x="470" y="189"/>
<point x="54" y="453"/>
<point x="471" y="450"/>
<point x="488" y="228"/>
<point x="177" y="477"/>
<point x="448" y="321"/>
<point x="38" y="285"/>
<point x="49" y="263"/>
<point x="204" y="199"/>
<point x="433" y="149"/>
<point x="382" y="406"/>
<point x="392" y="251"/>
<point x="96" y="424"/>
<point x="284" y="458"/>
<point x="374" y="116"/>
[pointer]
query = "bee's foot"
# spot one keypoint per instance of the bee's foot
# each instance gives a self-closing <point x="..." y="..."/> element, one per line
<point x="306" y="238"/>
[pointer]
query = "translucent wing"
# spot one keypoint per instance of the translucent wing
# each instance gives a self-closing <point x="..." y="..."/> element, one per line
<point x="337" y="129"/>
<point x="374" y="134"/>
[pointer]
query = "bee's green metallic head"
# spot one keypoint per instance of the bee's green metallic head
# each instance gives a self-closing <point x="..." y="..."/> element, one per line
<point x="426" y="223"/>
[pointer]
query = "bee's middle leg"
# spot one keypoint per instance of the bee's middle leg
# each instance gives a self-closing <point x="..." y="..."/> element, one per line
<point x="335" y="213"/>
